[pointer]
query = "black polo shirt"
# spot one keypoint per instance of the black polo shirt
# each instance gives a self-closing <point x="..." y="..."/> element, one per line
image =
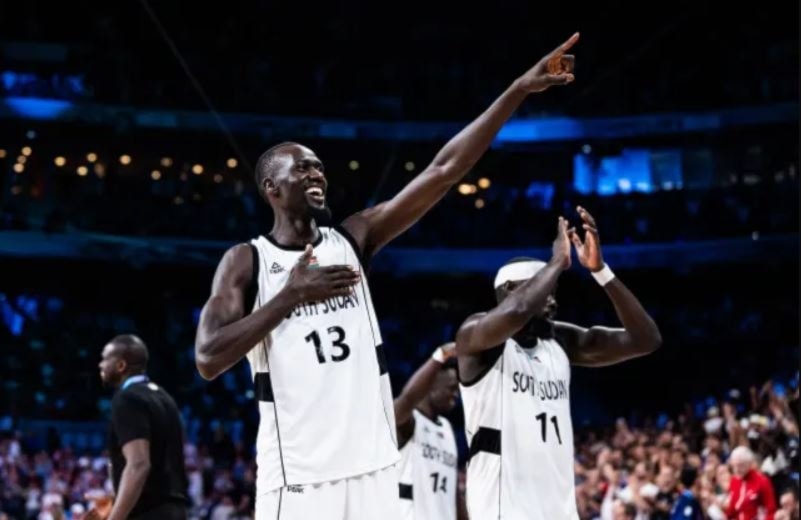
<point x="144" y="410"/>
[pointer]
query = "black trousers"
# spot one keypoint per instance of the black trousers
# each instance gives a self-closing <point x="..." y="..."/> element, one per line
<point x="167" y="511"/>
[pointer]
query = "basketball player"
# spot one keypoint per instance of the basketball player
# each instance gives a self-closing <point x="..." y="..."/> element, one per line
<point x="514" y="369"/>
<point x="295" y="304"/>
<point x="428" y="467"/>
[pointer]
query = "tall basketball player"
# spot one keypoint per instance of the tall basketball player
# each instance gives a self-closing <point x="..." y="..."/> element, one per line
<point x="514" y="367"/>
<point x="295" y="304"/>
<point x="429" y="456"/>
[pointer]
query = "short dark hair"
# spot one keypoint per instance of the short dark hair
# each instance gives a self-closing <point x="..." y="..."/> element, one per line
<point x="265" y="162"/>
<point x="688" y="476"/>
<point x="133" y="350"/>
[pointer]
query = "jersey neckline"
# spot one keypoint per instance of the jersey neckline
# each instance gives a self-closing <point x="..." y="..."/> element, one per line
<point x="295" y="248"/>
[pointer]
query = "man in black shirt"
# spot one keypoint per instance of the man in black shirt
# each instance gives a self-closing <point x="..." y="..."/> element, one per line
<point x="145" y="440"/>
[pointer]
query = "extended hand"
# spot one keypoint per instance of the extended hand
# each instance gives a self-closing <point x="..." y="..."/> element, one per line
<point x="556" y="68"/>
<point x="561" y="245"/>
<point x="588" y="251"/>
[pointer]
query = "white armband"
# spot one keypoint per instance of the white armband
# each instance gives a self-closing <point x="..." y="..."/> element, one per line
<point x="604" y="276"/>
<point x="438" y="355"/>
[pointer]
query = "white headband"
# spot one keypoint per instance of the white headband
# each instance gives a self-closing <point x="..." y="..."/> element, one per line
<point x="518" y="271"/>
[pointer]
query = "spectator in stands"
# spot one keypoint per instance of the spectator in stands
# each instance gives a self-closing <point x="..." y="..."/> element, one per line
<point x="750" y="490"/>
<point x="788" y="503"/>
<point x="687" y="505"/>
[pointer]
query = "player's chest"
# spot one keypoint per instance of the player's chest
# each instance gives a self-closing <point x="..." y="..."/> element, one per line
<point x="435" y="446"/>
<point x="277" y="264"/>
<point x="536" y="374"/>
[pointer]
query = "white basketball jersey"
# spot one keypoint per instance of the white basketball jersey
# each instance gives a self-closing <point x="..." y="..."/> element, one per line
<point x="428" y="475"/>
<point x="324" y="395"/>
<point x="517" y="420"/>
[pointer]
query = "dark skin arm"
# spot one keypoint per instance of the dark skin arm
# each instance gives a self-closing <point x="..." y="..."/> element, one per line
<point x="485" y="331"/>
<point x="374" y="227"/>
<point x="415" y="390"/>
<point x="461" y="501"/>
<point x="134" y="476"/>
<point x="225" y="335"/>
<point x="601" y="346"/>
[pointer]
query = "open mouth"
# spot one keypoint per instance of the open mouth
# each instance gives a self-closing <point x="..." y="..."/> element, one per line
<point x="316" y="194"/>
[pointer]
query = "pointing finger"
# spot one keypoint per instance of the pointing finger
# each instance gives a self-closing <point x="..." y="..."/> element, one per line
<point x="567" y="44"/>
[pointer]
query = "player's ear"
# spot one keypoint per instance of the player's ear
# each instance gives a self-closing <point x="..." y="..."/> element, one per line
<point x="269" y="186"/>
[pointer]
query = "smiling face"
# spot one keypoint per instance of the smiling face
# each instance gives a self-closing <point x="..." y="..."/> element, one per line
<point x="293" y="180"/>
<point x="445" y="391"/>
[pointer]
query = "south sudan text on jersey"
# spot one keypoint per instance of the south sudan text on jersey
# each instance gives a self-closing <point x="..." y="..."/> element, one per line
<point x="548" y="390"/>
<point x="330" y="305"/>
<point x="438" y="455"/>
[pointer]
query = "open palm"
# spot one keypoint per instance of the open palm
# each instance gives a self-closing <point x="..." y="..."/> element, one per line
<point x="588" y="251"/>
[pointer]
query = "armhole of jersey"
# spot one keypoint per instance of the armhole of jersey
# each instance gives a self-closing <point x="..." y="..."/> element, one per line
<point x="253" y="287"/>
<point x="491" y="357"/>
<point x="352" y="241"/>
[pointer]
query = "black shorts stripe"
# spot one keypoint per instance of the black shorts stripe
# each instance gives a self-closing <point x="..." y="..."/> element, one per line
<point x="264" y="387"/>
<point x="405" y="491"/>
<point x="382" y="359"/>
<point x="487" y="440"/>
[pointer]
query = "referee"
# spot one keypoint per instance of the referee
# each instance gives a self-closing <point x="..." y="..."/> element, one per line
<point x="145" y="440"/>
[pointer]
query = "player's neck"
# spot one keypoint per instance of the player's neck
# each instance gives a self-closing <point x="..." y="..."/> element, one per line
<point x="426" y="409"/>
<point x="290" y="230"/>
<point x="535" y="330"/>
<point x="127" y="375"/>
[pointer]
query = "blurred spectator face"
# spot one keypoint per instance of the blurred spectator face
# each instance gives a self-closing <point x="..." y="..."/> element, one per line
<point x="641" y="472"/>
<point x="694" y="460"/>
<point x="638" y="453"/>
<point x="741" y="465"/>
<point x="77" y="511"/>
<point x="713" y="444"/>
<point x="789" y="505"/>
<point x="723" y="477"/>
<point x="677" y="459"/>
<point x="621" y="511"/>
<point x="712" y="461"/>
<point x="666" y="480"/>
<point x="617" y="458"/>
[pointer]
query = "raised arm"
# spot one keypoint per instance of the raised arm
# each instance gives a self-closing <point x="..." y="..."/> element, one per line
<point x="374" y="227"/>
<point x="225" y="335"/>
<point x="415" y="390"/>
<point x="599" y="346"/>
<point x="487" y="330"/>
